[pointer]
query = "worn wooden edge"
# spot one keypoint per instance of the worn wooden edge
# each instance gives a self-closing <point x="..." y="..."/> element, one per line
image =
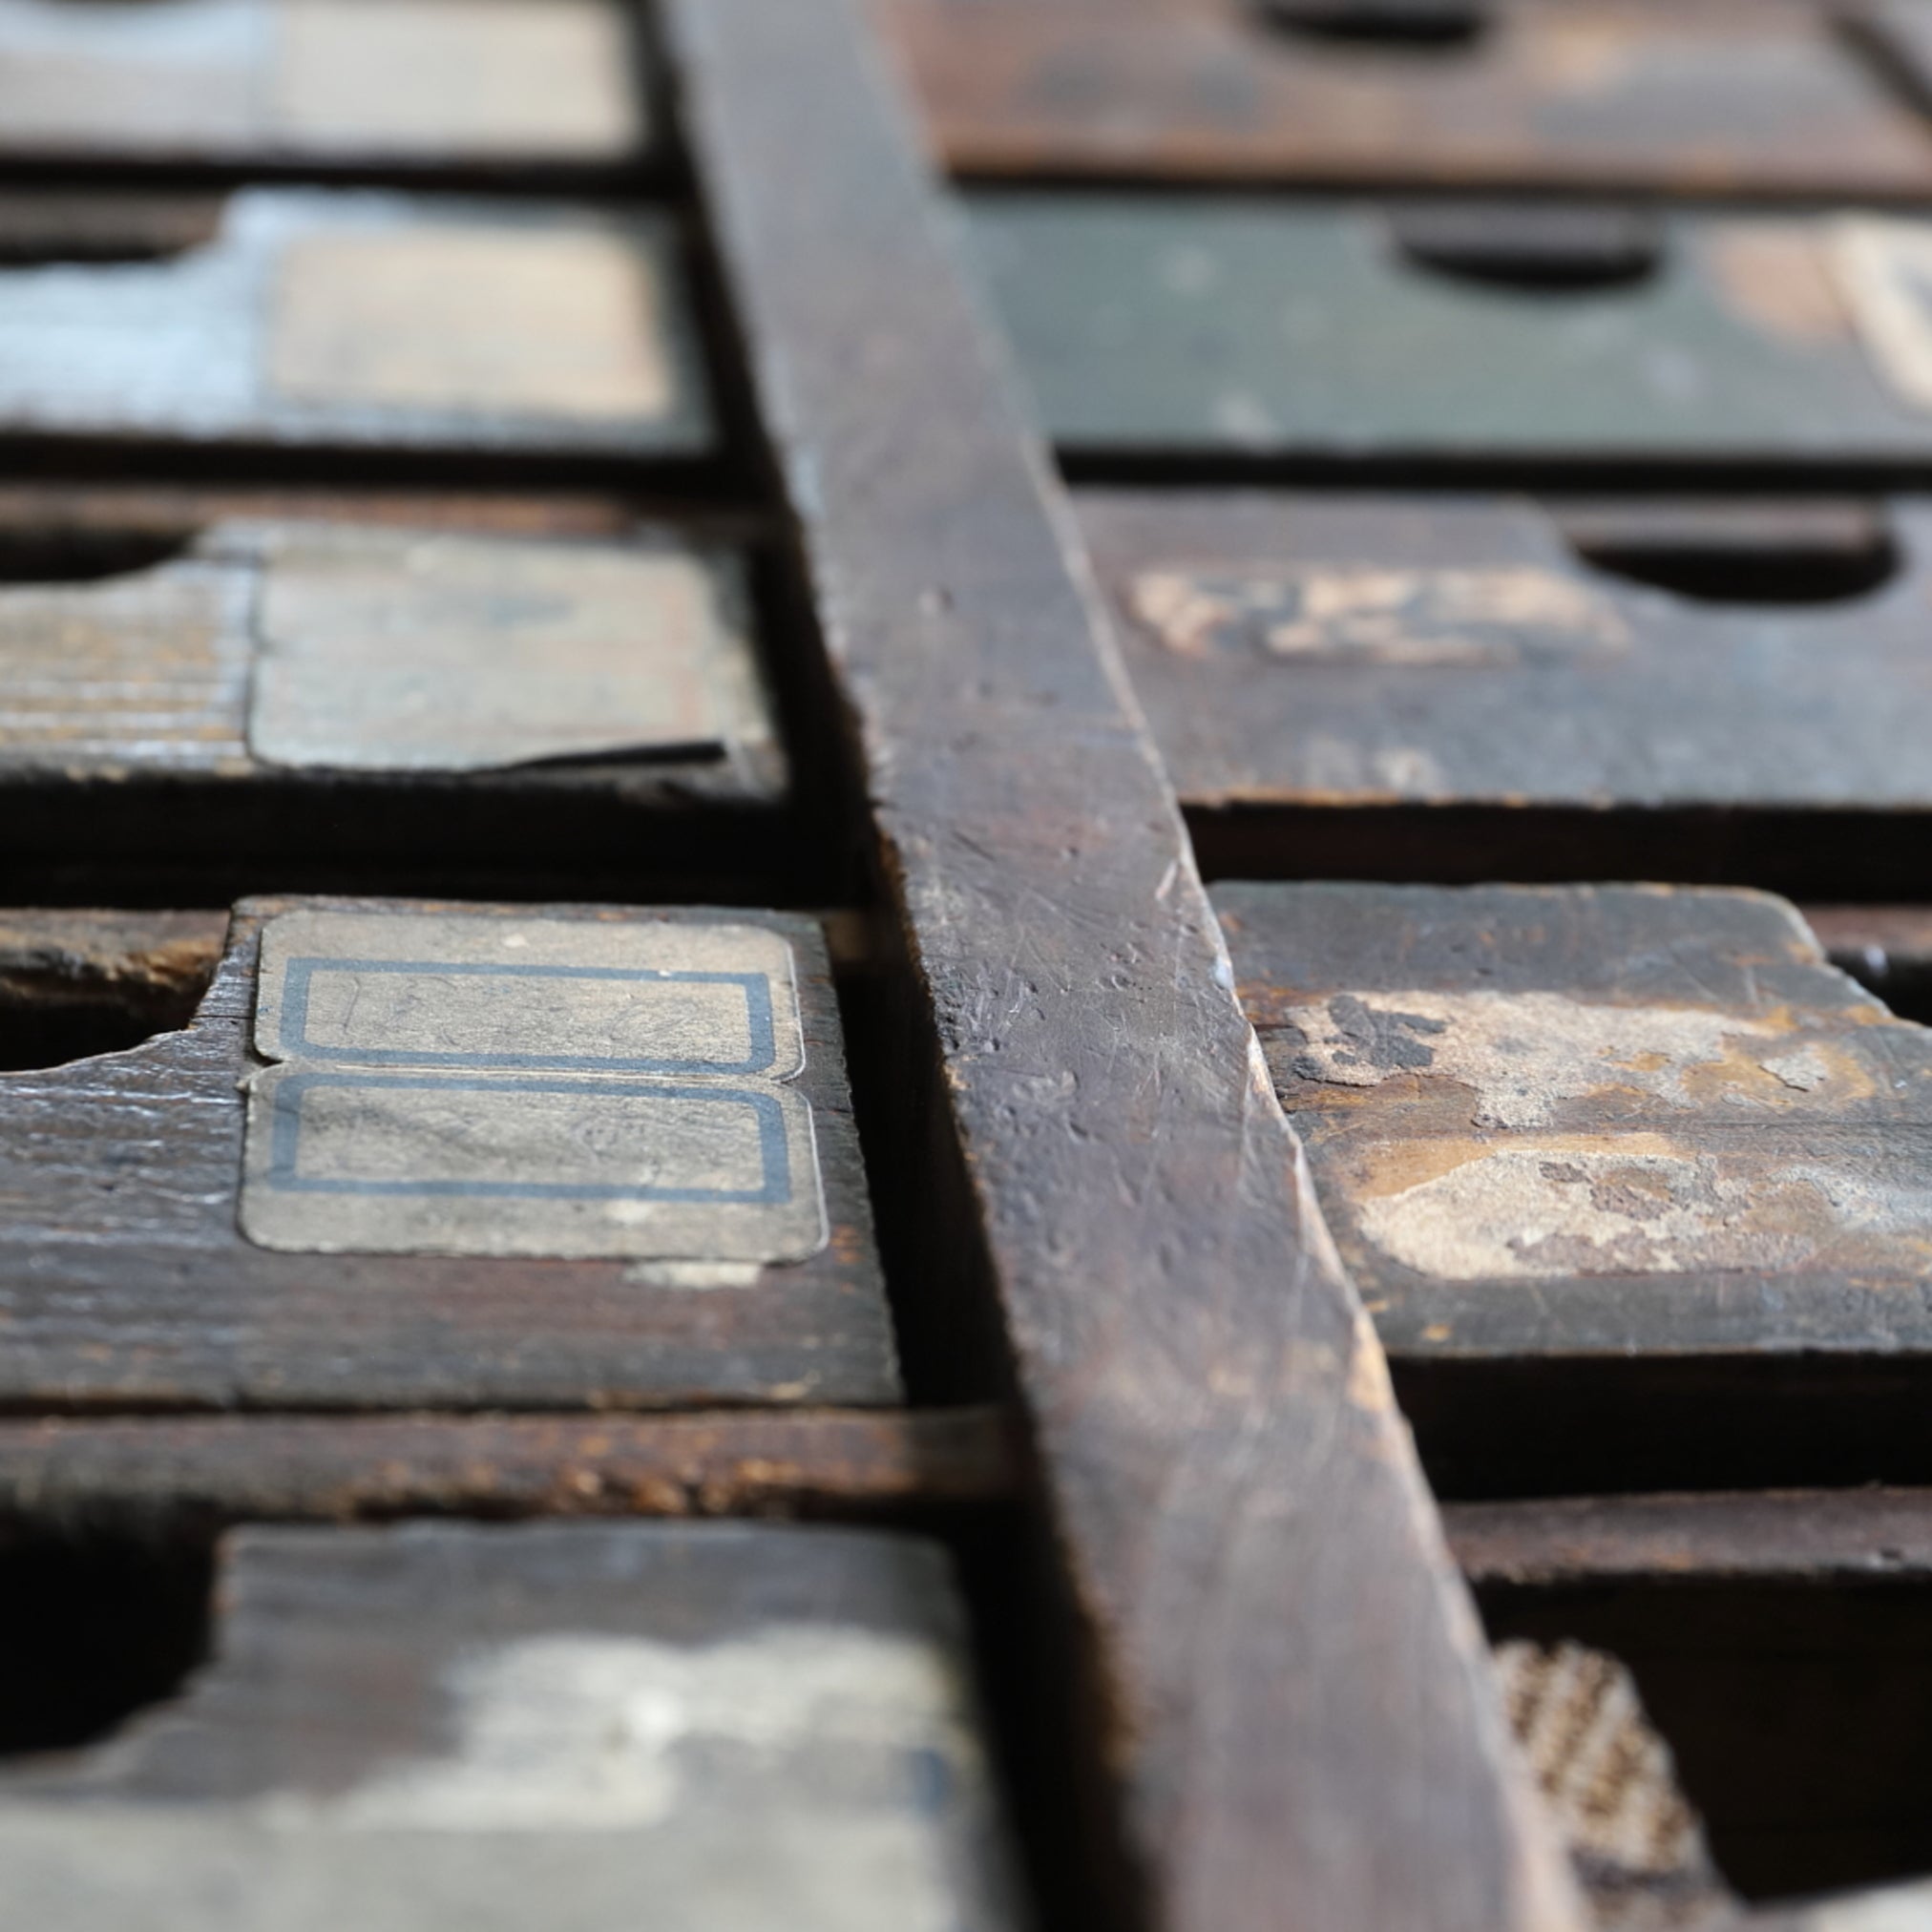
<point x="1295" y="1722"/>
<point x="149" y="961"/>
<point x="1793" y="1535"/>
<point x="221" y="1470"/>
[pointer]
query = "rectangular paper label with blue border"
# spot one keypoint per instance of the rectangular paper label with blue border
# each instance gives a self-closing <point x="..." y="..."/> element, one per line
<point x="457" y="1083"/>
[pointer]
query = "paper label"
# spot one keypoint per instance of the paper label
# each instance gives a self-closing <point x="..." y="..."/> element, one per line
<point x="472" y="1085"/>
<point x="501" y="321"/>
<point x="519" y="78"/>
<point x="385" y="653"/>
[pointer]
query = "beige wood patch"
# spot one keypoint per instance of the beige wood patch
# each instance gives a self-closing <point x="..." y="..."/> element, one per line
<point x="537" y="78"/>
<point x="1370" y="613"/>
<point x="502" y="321"/>
<point x="475" y="1085"/>
<point x="430" y="653"/>
<point x="1884" y="272"/>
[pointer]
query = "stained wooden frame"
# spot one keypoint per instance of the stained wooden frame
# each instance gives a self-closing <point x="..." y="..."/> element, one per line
<point x="1285" y="1692"/>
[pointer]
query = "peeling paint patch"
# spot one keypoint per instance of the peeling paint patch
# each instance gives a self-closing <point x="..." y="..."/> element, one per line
<point x="1550" y="1207"/>
<point x="1546" y="1211"/>
<point x="595" y="1733"/>
<point x="1804" y="1071"/>
<point x="1372" y="613"/>
<point x="1521" y="1054"/>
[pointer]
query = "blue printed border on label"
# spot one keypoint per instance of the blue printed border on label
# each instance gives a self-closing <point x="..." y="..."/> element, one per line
<point x="300" y="972"/>
<point x="285" y="1141"/>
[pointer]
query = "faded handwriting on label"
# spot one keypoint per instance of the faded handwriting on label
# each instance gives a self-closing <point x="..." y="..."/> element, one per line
<point x="480" y="1084"/>
<point x="1375" y="614"/>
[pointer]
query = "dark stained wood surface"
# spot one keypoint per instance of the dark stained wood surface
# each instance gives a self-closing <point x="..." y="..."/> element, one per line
<point x="1711" y="100"/>
<point x="1238" y="330"/>
<point x="736" y="1462"/>
<point x="1290" y="1694"/>
<point x="1298" y="649"/>
<point x="125" y="1281"/>
<point x="1469" y="687"/>
<point x="1797" y="1535"/>
<point x="496" y="1728"/>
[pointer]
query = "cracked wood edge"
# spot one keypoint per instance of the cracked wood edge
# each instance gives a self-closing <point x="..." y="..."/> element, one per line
<point x="1297" y="1716"/>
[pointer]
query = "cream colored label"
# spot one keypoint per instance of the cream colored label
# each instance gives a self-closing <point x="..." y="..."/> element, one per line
<point x="470" y="1084"/>
<point x="538" y="79"/>
<point x="379" y="652"/>
<point x="1884" y="274"/>
<point x="1375" y="614"/>
<point x="502" y="321"/>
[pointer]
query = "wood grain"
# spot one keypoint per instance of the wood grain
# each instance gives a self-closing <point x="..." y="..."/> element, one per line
<point x="206" y="1471"/>
<point x="1798" y="1535"/>
<point x="124" y="1280"/>
<point x="1294" y="1700"/>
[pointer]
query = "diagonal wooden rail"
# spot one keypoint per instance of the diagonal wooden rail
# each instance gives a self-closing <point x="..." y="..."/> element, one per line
<point x="1297" y="1727"/>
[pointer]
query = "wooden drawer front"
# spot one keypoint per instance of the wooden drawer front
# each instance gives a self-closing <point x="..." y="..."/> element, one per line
<point x="543" y="1725"/>
<point x="311" y="320"/>
<point x="1248" y="327"/>
<point x="417" y="84"/>
<point x="502" y="1157"/>
<point x="1711" y="98"/>
<point x="1302" y="655"/>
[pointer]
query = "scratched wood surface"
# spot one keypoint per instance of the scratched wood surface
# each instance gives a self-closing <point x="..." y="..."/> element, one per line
<point x="305" y="319"/>
<point x="124" y="1279"/>
<point x="543" y="1724"/>
<point x="1282" y="1678"/>
<point x="531" y="85"/>
<point x="1246" y="327"/>
<point x="1706" y="99"/>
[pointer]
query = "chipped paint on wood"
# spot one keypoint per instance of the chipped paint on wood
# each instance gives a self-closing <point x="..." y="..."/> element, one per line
<point x="1659" y="1116"/>
<point x="1374" y="613"/>
<point x="1521" y="1055"/>
<point x="1544" y="1206"/>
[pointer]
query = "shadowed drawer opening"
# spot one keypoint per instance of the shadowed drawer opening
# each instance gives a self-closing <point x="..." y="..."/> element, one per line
<point x="1799" y="1714"/>
<point x="94" y="1629"/>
